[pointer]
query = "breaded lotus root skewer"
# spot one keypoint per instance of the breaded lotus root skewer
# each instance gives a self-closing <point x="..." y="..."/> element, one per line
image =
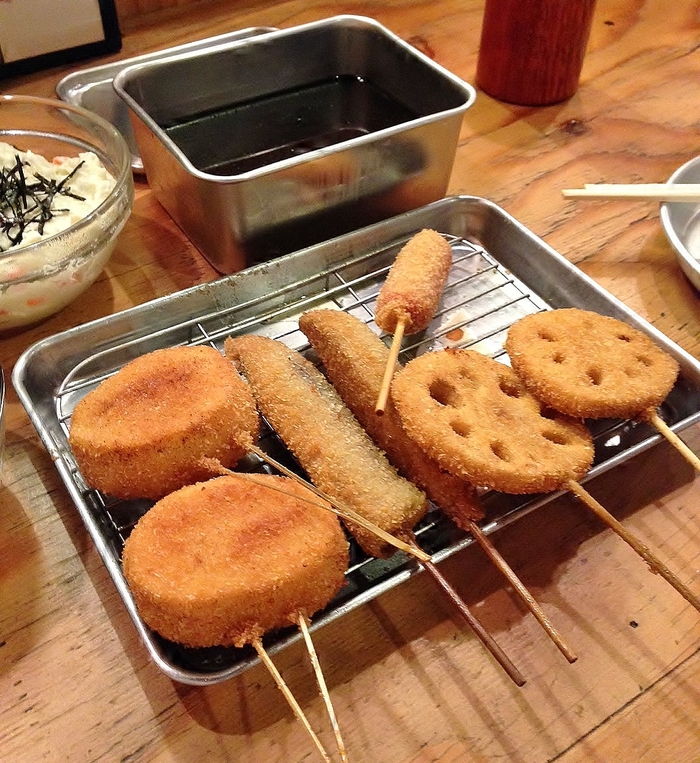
<point x="354" y="358"/>
<point x="594" y="366"/>
<point x="589" y="365"/>
<point x="476" y="418"/>
<point x="326" y="439"/>
<point x="143" y="432"/>
<point x="222" y="562"/>
<point x="410" y="296"/>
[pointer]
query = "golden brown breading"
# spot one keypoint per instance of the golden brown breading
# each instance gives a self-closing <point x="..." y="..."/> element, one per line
<point x="221" y="562"/>
<point x="326" y="439"/>
<point x="142" y="432"/>
<point x="589" y="365"/>
<point x="354" y="358"/>
<point x="477" y="419"/>
<point x="413" y="288"/>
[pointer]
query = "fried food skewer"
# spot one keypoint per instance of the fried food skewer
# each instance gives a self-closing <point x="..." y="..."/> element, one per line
<point x="476" y="417"/>
<point x="329" y="443"/>
<point x="143" y="431"/>
<point x="410" y="295"/>
<point x="592" y="366"/>
<point x="205" y="573"/>
<point x="353" y="357"/>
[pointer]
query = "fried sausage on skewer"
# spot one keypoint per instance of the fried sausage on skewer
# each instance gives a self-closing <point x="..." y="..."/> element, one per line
<point x="354" y="358"/>
<point x="142" y="432"/>
<point x="410" y="295"/>
<point x="317" y="427"/>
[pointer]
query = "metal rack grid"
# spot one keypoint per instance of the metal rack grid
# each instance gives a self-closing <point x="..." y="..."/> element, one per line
<point x="481" y="300"/>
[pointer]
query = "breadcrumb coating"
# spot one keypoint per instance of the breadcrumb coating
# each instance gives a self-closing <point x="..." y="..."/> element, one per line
<point x="219" y="563"/>
<point x="142" y="432"/>
<point x="326" y="439"/>
<point x="590" y="365"/>
<point x="414" y="286"/>
<point x="477" y="419"/>
<point x="354" y="358"/>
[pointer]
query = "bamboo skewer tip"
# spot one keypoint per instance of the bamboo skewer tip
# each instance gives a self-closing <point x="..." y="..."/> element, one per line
<point x="394" y="350"/>
<point x="663" y="428"/>
<point x="291" y="701"/>
<point x="528" y="599"/>
<point x="655" y="564"/>
<point x="303" y="623"/>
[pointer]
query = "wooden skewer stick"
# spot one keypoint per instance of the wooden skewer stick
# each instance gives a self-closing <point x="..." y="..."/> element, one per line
<point x="342" y="511"/>
<point x="522" y="591"/>
<point x="270" y="665"/>
<point x="654" y="418"/>
<point x="656" y="564"/>
<point x="481" y="633"/>
<point x="649" y="191"/>
<point x="303" y="623"/>
<point x="390" y="365"/>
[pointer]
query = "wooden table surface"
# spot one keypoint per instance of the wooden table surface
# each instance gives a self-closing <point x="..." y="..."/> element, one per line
<point x="410" y="684"/>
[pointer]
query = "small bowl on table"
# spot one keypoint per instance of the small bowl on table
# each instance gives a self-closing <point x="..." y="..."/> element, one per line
<point x="681" y="223"/>
<point x="40" y="277"/>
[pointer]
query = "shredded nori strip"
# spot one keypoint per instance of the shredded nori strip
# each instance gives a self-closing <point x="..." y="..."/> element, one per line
<point x="24" y="204"/>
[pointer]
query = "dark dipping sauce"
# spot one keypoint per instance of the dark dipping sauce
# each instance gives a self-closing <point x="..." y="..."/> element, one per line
<point x="253" y="134"/>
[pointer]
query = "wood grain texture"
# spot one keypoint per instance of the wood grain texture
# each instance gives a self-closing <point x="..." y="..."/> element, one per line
<point x="408" y="683"/>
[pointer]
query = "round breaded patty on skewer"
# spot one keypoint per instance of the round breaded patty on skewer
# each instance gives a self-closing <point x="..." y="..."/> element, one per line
<point x="477" y="419"/>
<point x="143" y="432"/>
<point x="589" y="365"/>
<point x="221" y="562"/>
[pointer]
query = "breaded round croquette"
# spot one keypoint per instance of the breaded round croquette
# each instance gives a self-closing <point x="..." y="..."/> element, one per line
<point x="476" y="418"/>
<point x="219" y="563"/>
<point x="414" y="286"/>
<point x="142" y="432"/>
<point x="326" y="439"/>
<point x="589" y="365"/>
<point x="354" y="358"/>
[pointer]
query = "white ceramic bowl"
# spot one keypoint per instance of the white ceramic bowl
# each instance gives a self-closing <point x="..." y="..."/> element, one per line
<point x="39" y="279"/>
<point x="681" y="222"/>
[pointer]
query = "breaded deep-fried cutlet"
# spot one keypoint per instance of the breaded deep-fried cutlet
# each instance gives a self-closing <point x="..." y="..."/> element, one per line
<point x="142" y="432"/>
<point x="221" y="562"/>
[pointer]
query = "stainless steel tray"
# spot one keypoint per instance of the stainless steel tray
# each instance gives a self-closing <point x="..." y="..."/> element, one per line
<point x="501" y="271"/>
<point x="92" y="88"/>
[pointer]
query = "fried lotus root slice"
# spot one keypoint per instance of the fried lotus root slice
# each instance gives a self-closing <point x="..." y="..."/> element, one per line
<point x="142" y="432"/>
<point x="478" y="420"/>
<point x="221" y="562"/>
<point x="589" y="365"/>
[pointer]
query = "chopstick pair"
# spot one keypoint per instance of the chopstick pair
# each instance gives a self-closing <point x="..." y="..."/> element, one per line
<point x="648" y="191"/>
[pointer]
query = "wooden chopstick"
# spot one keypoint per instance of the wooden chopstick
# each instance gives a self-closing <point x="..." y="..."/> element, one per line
<point x="649" y="191"/>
